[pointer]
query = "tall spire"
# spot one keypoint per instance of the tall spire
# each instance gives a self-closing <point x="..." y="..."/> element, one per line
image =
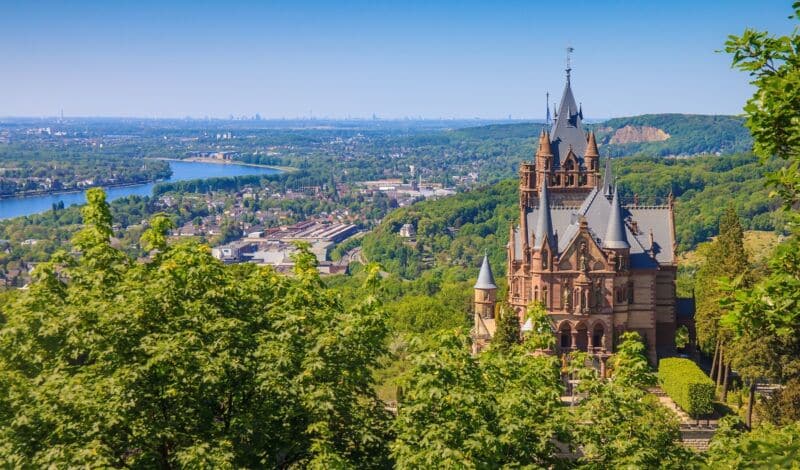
<point x="547" y="107"/>
<point x="615" y="233"/>
<point x="567" y="128"/>
<point x="570" y="50"/>
<point x="544" y="224"/>
<point x="608" y="179"/>
<point x="485" y="277"/>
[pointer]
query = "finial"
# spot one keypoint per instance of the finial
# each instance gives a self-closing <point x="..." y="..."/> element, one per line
<point x="570" y="50"/>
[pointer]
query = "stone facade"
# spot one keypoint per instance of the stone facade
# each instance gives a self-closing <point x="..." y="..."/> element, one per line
<point x="599" y="265"/>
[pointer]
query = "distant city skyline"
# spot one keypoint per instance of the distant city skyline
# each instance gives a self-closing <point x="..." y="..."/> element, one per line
<point x="432" y="60"/>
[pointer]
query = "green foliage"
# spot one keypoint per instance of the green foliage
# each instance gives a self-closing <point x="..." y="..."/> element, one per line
<point x="681" y="337"/>
<point x="783" y="407"/>
<point x="765" y="447"/>
<point x="687" y="385"/>
<point x="689" y="134"/>
<point x="508" y="332"/>
<point x="186" y="362"/>
<point x="629" y="363"/>
<point x="617" y="426"/>
<point x="155" y="237"/>
<point x="725" y="257"/>
<point x="540" y="336"/>
<point x="41" y="167"/>
<point x="450" y="231"/>
<point x="459" y="411"/>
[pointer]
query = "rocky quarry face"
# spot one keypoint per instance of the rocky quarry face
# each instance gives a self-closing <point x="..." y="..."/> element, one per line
<point x="634" y="134"/>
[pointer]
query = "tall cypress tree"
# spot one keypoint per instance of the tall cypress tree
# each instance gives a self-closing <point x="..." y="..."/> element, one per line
<point x="725" y="257"/>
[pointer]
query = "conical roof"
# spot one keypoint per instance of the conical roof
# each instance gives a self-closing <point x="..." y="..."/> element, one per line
<point x="544" y="144"/>
<point x="485" y="277"/>
<point x="544" y="222"/>
<point x="591" y="146"/>
<point x="615" y="233"/>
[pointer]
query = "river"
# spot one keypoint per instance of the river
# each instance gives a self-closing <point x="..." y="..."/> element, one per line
<point x="181" y="171"/>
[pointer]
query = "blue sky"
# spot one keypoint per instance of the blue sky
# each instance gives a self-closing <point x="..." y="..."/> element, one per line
<point x="354" y="58"/>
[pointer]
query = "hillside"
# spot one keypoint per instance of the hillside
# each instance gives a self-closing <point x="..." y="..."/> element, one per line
<point x="651" y="134"/>
<point x="673" y="134"/>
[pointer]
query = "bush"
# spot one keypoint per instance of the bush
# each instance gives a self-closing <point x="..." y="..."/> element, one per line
<point x="687" y="385"/>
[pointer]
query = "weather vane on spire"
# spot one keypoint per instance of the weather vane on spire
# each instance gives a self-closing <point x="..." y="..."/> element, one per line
<point x="570" y="50"/>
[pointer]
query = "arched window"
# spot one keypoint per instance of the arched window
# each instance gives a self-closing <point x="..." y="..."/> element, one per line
<point x="566" y="339"/>
<point x="544" y="259"/>
<point x="630" y="292"/>
<point x="544" y="295"/>
<point x="536" y="293"/>
<point x="620" y="295"/>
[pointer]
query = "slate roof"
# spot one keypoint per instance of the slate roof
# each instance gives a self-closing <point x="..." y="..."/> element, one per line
<point x="597" y="211"/>
<point x="485" y="277"/>
<point x="567" y="130"/>
<point x="615" y="231"/>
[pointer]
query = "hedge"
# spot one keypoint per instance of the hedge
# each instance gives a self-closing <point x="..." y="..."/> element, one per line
<point x="687" y="385"/>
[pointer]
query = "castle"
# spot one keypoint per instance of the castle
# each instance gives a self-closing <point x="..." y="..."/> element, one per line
<point x="599" y="265"/>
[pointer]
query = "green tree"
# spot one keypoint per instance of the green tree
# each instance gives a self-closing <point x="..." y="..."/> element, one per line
<point x="767" y="313"/>
<point x="186" y="362"/>
<point x="629" y="363"/>
<point x="490" y="411"/>
<point x="725" y="257"/>
<point x="765" y="447"/>
<point x="621" y="426"/>
<point x="508" y="334"/>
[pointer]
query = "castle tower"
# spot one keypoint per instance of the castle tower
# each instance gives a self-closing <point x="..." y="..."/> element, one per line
<point x="484" y="307"/>
<point x="544" y="160"/>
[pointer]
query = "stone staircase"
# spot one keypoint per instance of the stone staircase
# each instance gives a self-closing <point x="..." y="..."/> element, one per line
<point x="695" y="434"/>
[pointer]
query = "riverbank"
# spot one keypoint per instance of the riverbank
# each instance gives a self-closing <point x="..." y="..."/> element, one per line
<point x="26" y="194"/>
<point x="182" y="170"/>
<point x="285" y="169"/>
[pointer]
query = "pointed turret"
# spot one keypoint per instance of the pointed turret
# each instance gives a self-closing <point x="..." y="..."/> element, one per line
<point x="615" y="233"/>
<point x="591" y="161"/>
<point x="567" y="128"/>
<point x="485" y="277"/>
<point x="608" y="179"/>
<point x="544" y="224"/>
<point x="544" y="145"/>
<point x="591" y="146"/>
